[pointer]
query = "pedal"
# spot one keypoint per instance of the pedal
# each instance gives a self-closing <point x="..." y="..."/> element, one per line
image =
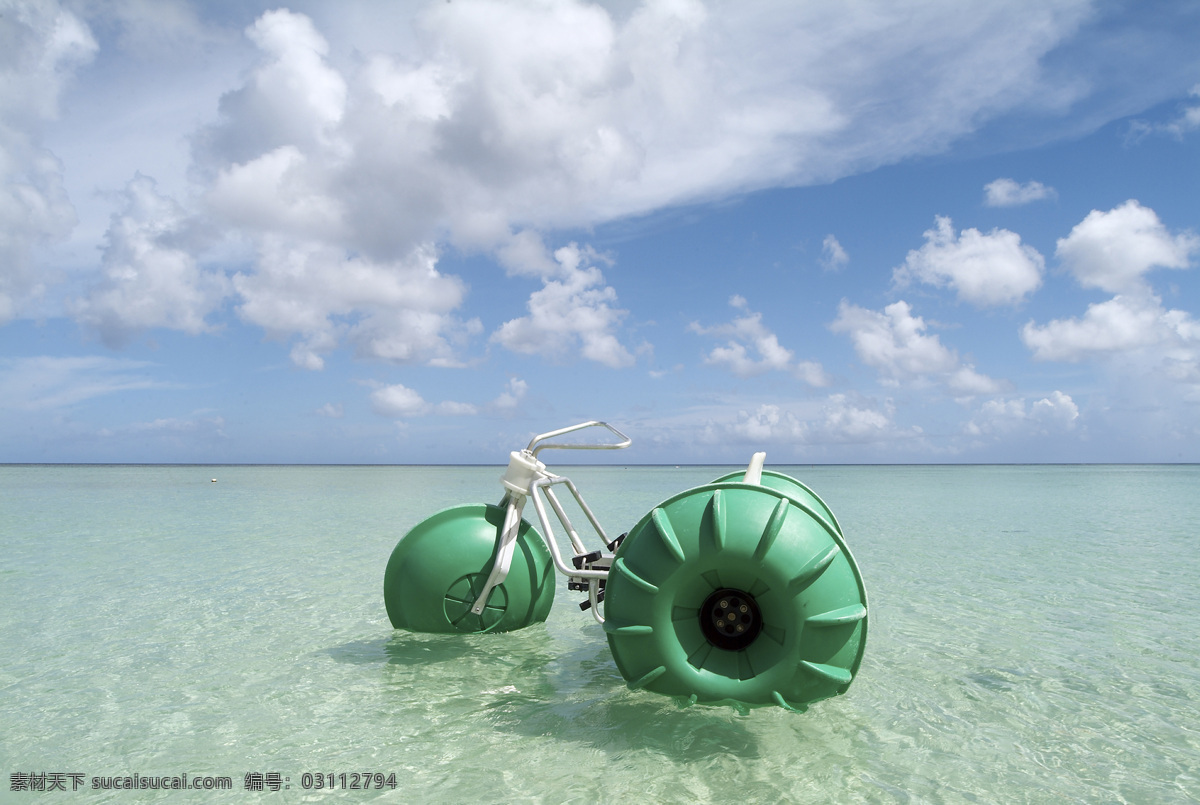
<point x="584" y="559"/>
<point x="587" y="604"/>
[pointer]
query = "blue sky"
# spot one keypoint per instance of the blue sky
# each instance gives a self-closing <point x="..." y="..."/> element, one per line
<point x="422" y="232"/>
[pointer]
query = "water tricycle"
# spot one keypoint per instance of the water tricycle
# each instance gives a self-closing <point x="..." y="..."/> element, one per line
<point x="741" y="591"/>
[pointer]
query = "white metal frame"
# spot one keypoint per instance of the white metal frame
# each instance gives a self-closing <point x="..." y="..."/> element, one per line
<point x="527" y="478"/>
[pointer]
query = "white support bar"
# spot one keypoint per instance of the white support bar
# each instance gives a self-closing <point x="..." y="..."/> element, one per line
<point x="504" y="551"/>
<point x="524" y="477"/>
<point x="754" y="471"/>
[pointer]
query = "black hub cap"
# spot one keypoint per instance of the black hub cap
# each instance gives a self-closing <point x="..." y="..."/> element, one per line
<point x="730" y="619"/>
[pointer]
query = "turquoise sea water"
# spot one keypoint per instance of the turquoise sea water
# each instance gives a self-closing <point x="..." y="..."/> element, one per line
<point x="1034" y="637"/>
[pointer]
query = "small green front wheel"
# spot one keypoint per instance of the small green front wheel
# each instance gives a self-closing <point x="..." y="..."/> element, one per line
<point x="438" y="569"/>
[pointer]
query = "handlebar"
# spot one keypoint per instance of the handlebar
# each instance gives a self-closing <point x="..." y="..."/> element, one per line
<point x="624" y="442"/>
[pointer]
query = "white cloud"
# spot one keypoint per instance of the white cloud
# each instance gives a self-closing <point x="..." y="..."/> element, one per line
<point x="503" y="118"/>
<point x="299" y="73"/>
<point x="213" y="425"/>
<point x="525" y="254"/>
<point x="155" y="28"/>
<point x="1189" y="117"/>
<point x="845" y="420"/>
<point x="398" y="401"/>
<point x="1133" y="331"/>
<point x="833" y="256"/>
<point x="966" y="381"/>
<point x="768" y="424"/>
<point x="199" y="428"/>
<point x="590" y="117"/>
<point x="752" y="349"/>
<point x="894" y="343"/>
<point x="401" y="402"/>
<point x="1001" y="418"/>
<point x="150" y="277"/>
<point x="293" y="96"/>
<point x="512" y="395"/>
<point x="332" y="410"/>
<point x="1185" y="122"/>
<point x="1113" y="250"/>
<point x="41" y="46"/>
<point x="276" y="192"/>
<point x="1058" y="409"/>
<point x="397" y="311"/>
<point x="519" y="118"/>
<point x="365" y="170"/>
<point x="985" y="270"/>
<point x="1009" y="193"/>
<point x="573" y="310"/>
<point x="839" y="419"/>
<point x="282" y="167"/>
<point x="449" y="408"/>
<point x="1123" y="324"/>
<point x="47" y="382"/>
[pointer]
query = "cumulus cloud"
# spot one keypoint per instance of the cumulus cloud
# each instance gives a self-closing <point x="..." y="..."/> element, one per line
<point x="1132" y="332"/>
<point x="839" y="419"/>
<point x="573" y="309"/>
<point x="276" y="193"/>
<point x="561" y="114"/>
<point x="768" y="423"/>
<point x="505" y="121"/>
<point x="1113" y="250"/>
<point x="894" y="342"/>
<point x="398" y="311"/>
<point x="150" y="277"/>
<point x="848" y="420"/>
<point x="512" y="395"/>
<point x="41" y="46"/>
<point x="1058" y="408"/>
<point x="752" y="349"/>
<point x="292" y="98"/>
<point x="1054" y="413"/>
<point x="398" y="401"/>
<point x="985" y="270"/>
<point x="1123" y="324"/>
<point x="501" y="122"/>
<point x="1009" y="193"/>
<point x="966" y="381"/>
<point x="347" y="186"/>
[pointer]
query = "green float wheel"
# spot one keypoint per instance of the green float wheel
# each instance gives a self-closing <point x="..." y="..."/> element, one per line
<point x="438" y="569"/>
<point x="736" y="593"/>
<point x="790" y="486"/>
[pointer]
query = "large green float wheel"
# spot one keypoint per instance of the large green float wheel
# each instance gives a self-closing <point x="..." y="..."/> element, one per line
<point x="790" y="486"/>
<point x="736" y="593"/>
<point x="438" y="569"/>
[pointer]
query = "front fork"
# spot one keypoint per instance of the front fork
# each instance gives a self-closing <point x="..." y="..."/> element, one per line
<point x="527" y="477"/>
<point x="589" y="569"/>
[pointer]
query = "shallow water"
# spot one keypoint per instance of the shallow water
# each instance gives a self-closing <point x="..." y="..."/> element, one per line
<point x="1034" y="637"/>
